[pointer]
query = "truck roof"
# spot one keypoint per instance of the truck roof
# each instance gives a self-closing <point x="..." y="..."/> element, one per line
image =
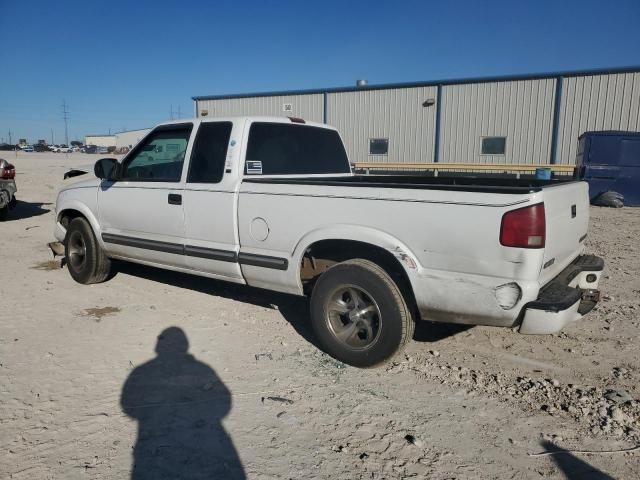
<point x="604" y="133"/>
<point x="251" y="118"/>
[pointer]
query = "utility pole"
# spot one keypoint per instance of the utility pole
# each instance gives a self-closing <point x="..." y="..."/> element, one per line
<point x="52" y="136"/>
<point x="10" y="138"/>
<point x="179" y="114"/>
<point x="171" y="112"/>
<point x="65" y="116"/>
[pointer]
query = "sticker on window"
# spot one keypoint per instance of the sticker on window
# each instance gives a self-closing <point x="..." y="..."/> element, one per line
<point x="254" y="167"/>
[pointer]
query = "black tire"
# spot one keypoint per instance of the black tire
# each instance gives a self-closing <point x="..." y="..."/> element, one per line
<point x="86" y="261"/>
<point x="609" y="199"/>
<point x="4" y="213"/>
<point x="363" y="342"/>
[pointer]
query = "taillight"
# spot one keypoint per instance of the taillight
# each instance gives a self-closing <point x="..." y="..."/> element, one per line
<point x="524" y="227"/>
<point x="7" y="172"/>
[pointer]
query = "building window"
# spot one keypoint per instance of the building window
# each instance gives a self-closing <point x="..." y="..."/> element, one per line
<point x="494" y="145"/>
<point x="378" y="146"/>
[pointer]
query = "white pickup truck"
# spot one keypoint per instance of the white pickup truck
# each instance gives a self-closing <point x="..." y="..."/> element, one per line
<point x="272" y="202"/>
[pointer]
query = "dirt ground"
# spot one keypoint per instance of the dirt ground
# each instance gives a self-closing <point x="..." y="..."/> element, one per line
<point x="94" y="379"/>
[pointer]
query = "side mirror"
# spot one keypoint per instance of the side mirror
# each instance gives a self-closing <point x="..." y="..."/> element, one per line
<point x="107" y="169"/>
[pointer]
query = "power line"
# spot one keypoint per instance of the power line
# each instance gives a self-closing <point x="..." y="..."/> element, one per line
<point x="65" y="116"/>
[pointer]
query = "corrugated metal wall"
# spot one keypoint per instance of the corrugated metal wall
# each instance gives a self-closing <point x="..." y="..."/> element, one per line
<point x="309" y="107"/>
<point x="396" y="114"/>
<point x="521" y="111"/>
<point x="599" y="102"/>
<point x="100" y="140"/>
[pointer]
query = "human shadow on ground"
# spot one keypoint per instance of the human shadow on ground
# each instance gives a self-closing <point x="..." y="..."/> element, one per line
<point x="294" y="309"/>
<point x="24" y="209"/>
<point x="571" y="466"/>
<point x="179" y="403"/>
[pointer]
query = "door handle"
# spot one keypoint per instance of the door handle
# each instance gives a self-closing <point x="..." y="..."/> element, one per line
<point x="175" y="199"/>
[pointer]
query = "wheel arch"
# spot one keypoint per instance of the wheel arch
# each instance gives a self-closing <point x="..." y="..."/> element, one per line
<point x="76" y="210"/>
<point x="319" y="250"/>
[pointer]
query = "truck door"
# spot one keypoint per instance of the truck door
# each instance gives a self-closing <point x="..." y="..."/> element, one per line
<point x="141" y="213"/>
<point x="211" y="235"/>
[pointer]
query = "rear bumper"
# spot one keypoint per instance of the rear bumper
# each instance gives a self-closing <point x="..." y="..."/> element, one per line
<point x="568" y="297"/>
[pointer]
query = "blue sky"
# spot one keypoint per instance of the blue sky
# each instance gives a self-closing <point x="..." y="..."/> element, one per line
<point x="123" y="64"/>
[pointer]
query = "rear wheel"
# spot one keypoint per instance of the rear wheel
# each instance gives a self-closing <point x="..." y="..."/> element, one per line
<point x="86" y="261"/>
<point x="359" y="314"/>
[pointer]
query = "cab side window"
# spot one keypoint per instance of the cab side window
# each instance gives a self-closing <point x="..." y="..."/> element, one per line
<point x="209" y="152"/>
<point x="160" y="157"/>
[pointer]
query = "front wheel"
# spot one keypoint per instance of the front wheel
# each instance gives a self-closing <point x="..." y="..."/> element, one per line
<point x="359" y="314"/>
<point x="86" y="261"/>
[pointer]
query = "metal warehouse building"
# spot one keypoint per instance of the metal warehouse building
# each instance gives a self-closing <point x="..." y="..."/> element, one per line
<point x="523" y="119"/>
<point x="126" y="138"/>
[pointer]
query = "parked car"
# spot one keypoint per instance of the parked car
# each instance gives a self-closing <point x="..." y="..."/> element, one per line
<point x="41" y="147"/>
<point x="90" y="149"/>
<point x="103" y="150"/>
<point x="272" y="203"/>
<point x="8" y="188"/>
<point x="63" y="149"/>
<point x="7" y="147"/>
<point x="27" y="148"/>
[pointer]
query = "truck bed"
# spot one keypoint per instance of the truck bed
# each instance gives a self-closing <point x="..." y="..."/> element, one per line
<point x="450" y="226"/>
<point x="464" y="184"/>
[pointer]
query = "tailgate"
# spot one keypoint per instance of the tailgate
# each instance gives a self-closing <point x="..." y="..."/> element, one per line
<point x="567" y="215"/>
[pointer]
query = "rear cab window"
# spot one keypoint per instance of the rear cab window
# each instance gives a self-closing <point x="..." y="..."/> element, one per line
<point x="294" y="149"/>
<point x="209" y="152"/>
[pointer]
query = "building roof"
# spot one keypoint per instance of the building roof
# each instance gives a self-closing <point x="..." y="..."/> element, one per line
<point x="431" y="83"/>
<point x="133" y="130"/>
